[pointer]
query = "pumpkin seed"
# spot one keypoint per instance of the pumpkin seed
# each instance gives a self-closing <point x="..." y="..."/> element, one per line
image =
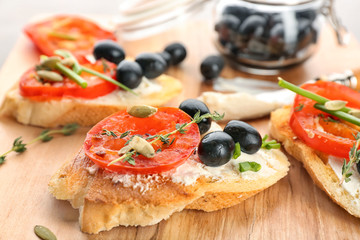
<point x="335" y="105"/>
<point x="355" y="113"/>
<point x="141" y="146"/>
<point x="44" y="233"/>
<point x="142" y="111"/>
<point x="49" y="76"/>
<point x="68" y="62"/>
<point x="50" y="62"/>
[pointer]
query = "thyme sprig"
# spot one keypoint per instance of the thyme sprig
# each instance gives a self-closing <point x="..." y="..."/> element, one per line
<point x="354" y="158"/>
<point x="19" y="146"/>
<point x="165" y="138"/>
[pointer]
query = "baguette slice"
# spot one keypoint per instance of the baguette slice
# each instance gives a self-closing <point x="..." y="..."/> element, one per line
<point x="85" y="112"/>
<point x="107" y="200"/>
<point x="321" y="172"/>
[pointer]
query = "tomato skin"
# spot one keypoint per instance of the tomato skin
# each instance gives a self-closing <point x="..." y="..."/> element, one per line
<point x="162" y="122"/>
<point x="305" y="122"/>
<point x="31" y="88"/>
<point x="87" y="33"/>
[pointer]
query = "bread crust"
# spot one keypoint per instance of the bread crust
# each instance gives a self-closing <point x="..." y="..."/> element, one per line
<point x="84" y="112"/>
<point x="321" y="172"/>
<point x="105" y="204"/>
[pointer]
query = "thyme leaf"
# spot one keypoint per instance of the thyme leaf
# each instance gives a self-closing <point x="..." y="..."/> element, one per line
<point x="354" y="158"/>
<point x="108" y="133"/>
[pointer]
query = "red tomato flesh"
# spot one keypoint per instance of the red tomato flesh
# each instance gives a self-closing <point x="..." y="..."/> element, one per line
<point x="31" y="87"/>
<point x="46" y="35"/>
<point x="103" y="149"/>
<point x="311" y="126"/>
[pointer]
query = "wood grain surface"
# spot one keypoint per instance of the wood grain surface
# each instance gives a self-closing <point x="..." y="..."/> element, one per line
<point x="294" y="208"/>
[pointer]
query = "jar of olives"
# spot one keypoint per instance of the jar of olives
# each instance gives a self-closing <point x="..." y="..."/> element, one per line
<point x="270" y="34"/>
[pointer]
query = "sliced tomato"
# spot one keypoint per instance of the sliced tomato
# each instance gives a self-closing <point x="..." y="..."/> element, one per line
<point x="78" y="35"/>
<point x="31" y="87"/>
<point x="318" y="129"/>
<point x="102" y="149"/>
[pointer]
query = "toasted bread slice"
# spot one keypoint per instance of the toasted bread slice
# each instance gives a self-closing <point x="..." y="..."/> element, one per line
<point x="320" y="171"/>
<point x="86" y="112"/>
<point x="106" y="200"/>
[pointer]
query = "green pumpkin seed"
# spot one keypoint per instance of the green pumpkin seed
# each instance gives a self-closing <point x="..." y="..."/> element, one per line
<point x="142" y="111"/>
<point x="50" y="62"/>
<point x="355" y="113"/>
<point x="44" y="233"/>
<point x="68" y="62"/>
<point x="49" y="75"/>
<point x="141" y="146"/>
<point x="335" y="105"/>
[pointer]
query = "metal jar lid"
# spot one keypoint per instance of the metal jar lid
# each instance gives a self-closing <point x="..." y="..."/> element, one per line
<point x="281" y="2"/>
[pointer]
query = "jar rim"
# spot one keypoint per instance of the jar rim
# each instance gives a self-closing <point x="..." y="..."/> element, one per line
<point x="282" y="2"/>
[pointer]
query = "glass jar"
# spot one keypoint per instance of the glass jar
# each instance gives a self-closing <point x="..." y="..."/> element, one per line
<point x="270" y="34"/>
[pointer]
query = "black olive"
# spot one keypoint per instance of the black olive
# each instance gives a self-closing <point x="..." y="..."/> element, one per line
<point x="191" y="107"/>
<point x="109" y="50"/>
<point x="177" y="52"/>
<point x="216" y="148"/>
<point x="308" y="14"/>
<point x="239" y="12"/>
<point x="227" y="28"/>
<point x="212" y="66"/>
<point x="277" y="31"/>
<point x="245" y="134"/>
<point x="151" y="64"/>
<point x="358" y="167"/>
<point x="250" y="24"/>
<point x="167" y="57"/>
<point x="129" y="73"/>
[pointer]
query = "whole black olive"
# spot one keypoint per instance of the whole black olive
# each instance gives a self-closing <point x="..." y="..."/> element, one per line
<point x="191" y="107"/>
<point x="216" y="148"/>
<point x="109" y="50"/>
<point x="152" y="64"/>
<point x="167" y="57"/>
<point x="277" y="31"/>
<point x="129" y="73"/>
<point x="227" y="26"/>
<point x="250" y="24"/>
<point x="212" y="66"/>
<point x="358" y="167"/>
<point x="239" y="12"/>
<point x="177" y="52"/>
<point x="308" y="14"/>
<point x="245" y="134"/>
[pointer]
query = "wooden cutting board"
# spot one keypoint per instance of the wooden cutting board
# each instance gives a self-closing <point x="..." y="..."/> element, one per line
<point x="294" y="208"/>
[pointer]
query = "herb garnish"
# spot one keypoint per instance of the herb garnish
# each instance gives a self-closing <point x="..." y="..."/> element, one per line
<point x="269" y="144"/>
<point x="237" y="151"/>
<point x="354" y="158"/>
<point x="45" y="136"/>
<point x="108" y="133"/>
<point x="249" y="166"/>
<point x="299" y="107"/>
<point x="343" y="113"/>
<point x="164" y="138"/>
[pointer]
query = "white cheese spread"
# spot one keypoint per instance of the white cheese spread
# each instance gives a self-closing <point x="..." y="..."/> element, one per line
<point x="145" y="88"/>
<point x="353" y="186"/>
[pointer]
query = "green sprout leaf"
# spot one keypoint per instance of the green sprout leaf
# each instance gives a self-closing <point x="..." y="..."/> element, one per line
<point x="249" y="166"/>
<point x="237" y="151"/>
